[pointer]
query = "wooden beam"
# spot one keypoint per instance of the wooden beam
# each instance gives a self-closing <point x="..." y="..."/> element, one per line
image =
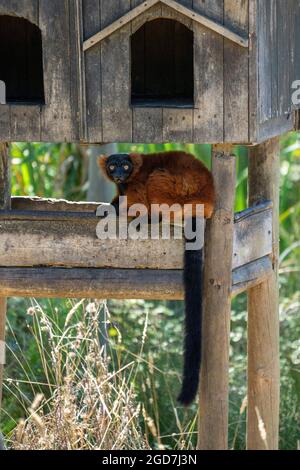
<point x="263" y="312"/>
<point x="25" y="203"/>
<point x="204" y="21"/>
<point x="135" y="12"/>
<point x="4" y="204"/>
<point x="115" y="283"/>
<point x="92" y="283"/>
<point x="251" y="275"/>
<point x="213" y="405"/>
<point x="66" y="236"/>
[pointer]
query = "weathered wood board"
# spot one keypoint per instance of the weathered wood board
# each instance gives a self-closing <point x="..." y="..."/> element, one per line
<point x="153" y="284"/>
<point x="69" y="239"/>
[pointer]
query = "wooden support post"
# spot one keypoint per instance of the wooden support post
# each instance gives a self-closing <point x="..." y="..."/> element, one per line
<point x="4" y="204"/>
<point x="213" y="413"/>
<point x="263" y="318"/>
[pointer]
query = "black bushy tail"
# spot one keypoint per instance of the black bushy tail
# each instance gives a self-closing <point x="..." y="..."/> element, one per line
<point x="193" y="324"/>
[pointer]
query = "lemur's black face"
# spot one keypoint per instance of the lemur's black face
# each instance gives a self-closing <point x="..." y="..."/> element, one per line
<point x="119" y="167"/>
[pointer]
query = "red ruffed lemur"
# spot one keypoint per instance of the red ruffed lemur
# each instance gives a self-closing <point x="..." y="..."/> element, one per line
<point x="171" y="178"/>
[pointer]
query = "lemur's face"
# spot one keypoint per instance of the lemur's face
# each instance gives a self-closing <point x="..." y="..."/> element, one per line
<point x="119" y="167"/>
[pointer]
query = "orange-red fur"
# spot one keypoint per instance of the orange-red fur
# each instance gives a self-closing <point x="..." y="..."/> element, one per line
<point x="168" y="178"/>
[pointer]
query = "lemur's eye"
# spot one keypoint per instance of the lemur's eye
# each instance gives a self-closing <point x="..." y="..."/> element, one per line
<point x="112" y="167"/>
<point x="126" y="167"/>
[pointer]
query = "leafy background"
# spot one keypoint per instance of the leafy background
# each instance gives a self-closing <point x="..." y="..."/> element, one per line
<point x="49" y="371"/>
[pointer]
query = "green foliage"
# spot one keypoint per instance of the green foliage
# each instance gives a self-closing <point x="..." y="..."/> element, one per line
<point x="149" y="334"/>
<point x="48" y="170"/>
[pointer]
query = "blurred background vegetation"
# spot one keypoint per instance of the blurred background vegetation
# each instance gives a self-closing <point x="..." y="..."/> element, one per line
<point x="52" y="367"/>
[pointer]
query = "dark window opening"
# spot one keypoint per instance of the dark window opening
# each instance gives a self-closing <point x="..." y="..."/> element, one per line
<point x="162" y="65"/>
<point x="21" y="60"/>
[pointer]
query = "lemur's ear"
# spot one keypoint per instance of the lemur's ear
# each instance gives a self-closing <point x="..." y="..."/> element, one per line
<point x="102" y="162"/>
<point x="137" y="160"/>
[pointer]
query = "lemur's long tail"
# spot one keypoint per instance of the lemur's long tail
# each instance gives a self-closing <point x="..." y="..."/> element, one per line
<point x="193" y="325"/>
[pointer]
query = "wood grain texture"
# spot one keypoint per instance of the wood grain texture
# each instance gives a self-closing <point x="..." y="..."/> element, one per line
<point x="93" y="81"/>
<point x="4" y="204"/>
<point x="115" y="66"/>
<point x="251" y="275"/>
<point x="236" y="71"/>
<point x="208" y="78"/>
<point x="213" y="406"/>
<point x="66" y="235"/>
<point x="263" y="312"/>
<point x="56" y="117"/>
<point x="92" y="283"/>
<point x="115" y="283"/>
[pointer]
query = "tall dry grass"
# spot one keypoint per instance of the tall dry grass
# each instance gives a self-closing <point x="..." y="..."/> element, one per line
<point x="82" y="405"/>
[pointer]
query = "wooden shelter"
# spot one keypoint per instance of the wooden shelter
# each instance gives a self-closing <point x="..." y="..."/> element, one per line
<point x="96" y="71"/>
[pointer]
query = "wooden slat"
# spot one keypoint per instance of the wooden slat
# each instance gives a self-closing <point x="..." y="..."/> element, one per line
<point x="208" y="77"/>
<point x="245" y="242"/>
<point x="178" y="125"/>
<point x="115" y="66"/>
<point x="56" y="121"/>
<point x="76" y="55"/>
<point x="116" y="283"/>
<point x="147" y="125"/>
<point x="5" y="122"/>
<point x="251" y="275"/>
<point x="92" y="283"/>
<point x="236" y="75"/>
<point x="25" y="203"/>
<point x="25" y="123"/>
<point x="204" y="21"/>
<point x="253" y="73"/>
<point x="93" y="82"/>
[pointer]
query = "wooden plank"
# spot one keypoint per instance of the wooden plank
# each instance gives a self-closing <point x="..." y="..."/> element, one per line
<point x="147" y="125"/>
<point x="92" y="283"/>
<point x="177" y="125"/>
<point x="93" y="83"/>
<point x="4" y="204"/>
<point x="251" y="275"/>
<point x="76" y="56"/>
<point x="25" y="203"/>
<point x="5" y="123"/>
<point x="236" y="75"/>
<point x="116" y="283"/>
<point x="245" y="242"/>
<point x="115" y="66"/>
<point x="253" y="72"/>
<point x="263" y="314"/>
<point x="25" y="123"/>
<point x="213" y="405"/>
<point x="273" y="22"/>
<point x="284" y="85"/>
<point x="56" y="120"/>
<point x="56" y="224"/>
<point x="264" y="61"/>
<point x="208" y="75"/>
